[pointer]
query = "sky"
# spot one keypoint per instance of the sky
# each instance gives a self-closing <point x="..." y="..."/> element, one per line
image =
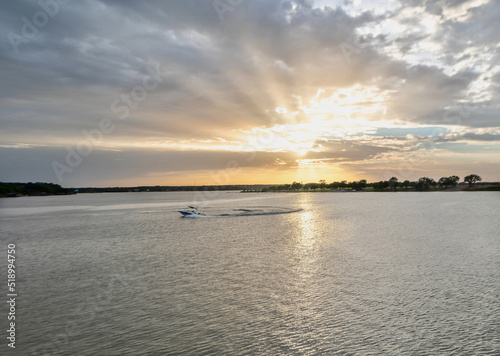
<point x="127" y="93"/>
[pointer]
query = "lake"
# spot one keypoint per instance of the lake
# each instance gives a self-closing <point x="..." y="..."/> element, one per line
<point x="349" y="274"/>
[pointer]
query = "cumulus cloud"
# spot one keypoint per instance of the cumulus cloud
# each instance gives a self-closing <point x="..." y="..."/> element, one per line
<point x="222" y="76"/>
<point x="469" y="136"/>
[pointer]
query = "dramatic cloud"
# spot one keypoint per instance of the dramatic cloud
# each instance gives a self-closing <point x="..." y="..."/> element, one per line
<point x="167" y="92"/>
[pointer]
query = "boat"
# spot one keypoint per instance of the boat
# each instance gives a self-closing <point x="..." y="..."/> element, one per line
<point x="191" y="213"/>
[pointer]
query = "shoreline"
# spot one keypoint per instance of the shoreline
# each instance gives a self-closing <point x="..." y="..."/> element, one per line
<point x="491" y="188"/>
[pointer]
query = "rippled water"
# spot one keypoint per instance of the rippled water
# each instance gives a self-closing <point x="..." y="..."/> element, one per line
<point x="349" y="274"/>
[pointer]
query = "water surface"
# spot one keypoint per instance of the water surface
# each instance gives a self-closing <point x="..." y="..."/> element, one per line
<point x="349" y="274"/>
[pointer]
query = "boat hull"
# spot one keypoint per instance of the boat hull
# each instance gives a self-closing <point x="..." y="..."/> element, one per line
<point x="190" y="214"/>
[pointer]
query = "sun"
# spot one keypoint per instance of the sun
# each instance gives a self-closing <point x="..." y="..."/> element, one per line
<point x="331" y="114"/>
<point x="302" y="151"/>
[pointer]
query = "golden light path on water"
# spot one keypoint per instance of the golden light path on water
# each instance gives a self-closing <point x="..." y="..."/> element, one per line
<point x="305" y="250"/>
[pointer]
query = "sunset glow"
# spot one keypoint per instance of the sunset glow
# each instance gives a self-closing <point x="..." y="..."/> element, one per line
<point x="284" y="90"/>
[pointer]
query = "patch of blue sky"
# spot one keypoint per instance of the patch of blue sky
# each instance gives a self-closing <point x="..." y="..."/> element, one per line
<point x="464" y="147"/>
<point x="416" y="131"/>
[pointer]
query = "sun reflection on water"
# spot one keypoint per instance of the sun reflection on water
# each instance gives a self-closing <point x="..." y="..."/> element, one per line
<point x="306" y="224"/>
<point x="305" y="243"/>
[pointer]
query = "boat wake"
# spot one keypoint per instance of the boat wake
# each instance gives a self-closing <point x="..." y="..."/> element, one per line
<point x="254" y="211"/>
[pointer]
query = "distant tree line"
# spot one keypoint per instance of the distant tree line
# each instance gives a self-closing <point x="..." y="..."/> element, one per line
<point x="40" y="189"/>
<point x="20" y="189"/>
<point x="393" y="184"/>
<point x="174" y="188"/>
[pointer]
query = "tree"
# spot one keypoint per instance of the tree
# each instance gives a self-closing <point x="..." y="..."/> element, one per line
<point x="446" y="182"/>
<point x="338" y="185"/>
<point x="393" y="183"/>
<point x="381" y="185"/>
<point x="333" y="185"/>
<point x="362" y="184"/>
<point x="406" y="184"/>
<point x="296" y="185"/>
<point x="472" y="179"/>
<point x="453" y="180"/>
<point x="443" y="182"/>
<point x="313" y="186"/>
<point x="322" y="183"/>
<point x="425" y="183"/>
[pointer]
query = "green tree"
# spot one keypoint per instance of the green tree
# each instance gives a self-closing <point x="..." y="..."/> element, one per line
<point x="443" y="182"/>
<point x="393" y="183"/>
<point x="406" y="184"/>
<point x="381" y="185"/>
<point x="425" y="183"/>
<point x="313" y="186"/>
<point x="362" y="184"/>
<point x="296" y="185"/>
<point x="446" y="182"/>
<point x="338" y="185"/>
<point x="358" y="184"/>
<point x="472" y="179"/>
<point x="453" y="180"/>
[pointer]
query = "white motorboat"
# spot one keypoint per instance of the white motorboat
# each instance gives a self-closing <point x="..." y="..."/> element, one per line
<point x="191" y="213"/>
